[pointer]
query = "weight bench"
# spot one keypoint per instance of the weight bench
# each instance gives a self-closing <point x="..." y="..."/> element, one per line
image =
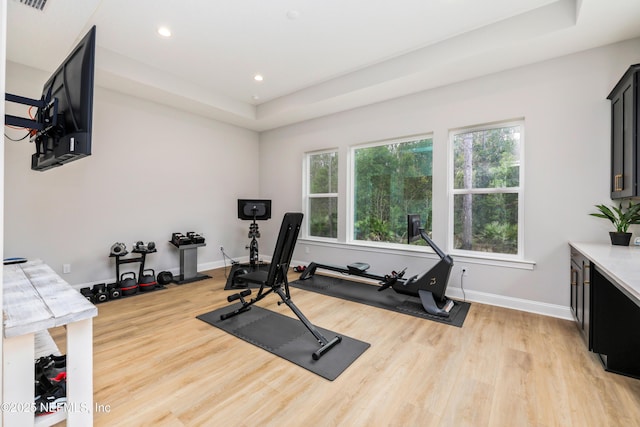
<point x="275" y="280"/>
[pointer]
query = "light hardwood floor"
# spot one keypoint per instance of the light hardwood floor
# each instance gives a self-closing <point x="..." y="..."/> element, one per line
<point x="156" y="364"/>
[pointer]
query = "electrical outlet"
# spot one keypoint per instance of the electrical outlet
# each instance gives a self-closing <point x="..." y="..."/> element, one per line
<point x="306" y="249"/>
<point x="66" y="268"/>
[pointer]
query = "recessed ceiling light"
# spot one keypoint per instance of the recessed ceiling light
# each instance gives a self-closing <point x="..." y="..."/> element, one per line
<point x="293" y="14"/>
<point x="255" y="97"/>
<point x="164" y="31"/>
<point x="258" y="77"/>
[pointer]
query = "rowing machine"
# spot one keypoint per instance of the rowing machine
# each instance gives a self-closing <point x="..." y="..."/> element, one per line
<point x="430" y="286"/>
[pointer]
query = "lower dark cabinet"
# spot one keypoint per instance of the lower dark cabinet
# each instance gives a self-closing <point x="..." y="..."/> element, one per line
<point x="606" y="312"/>
<point x="616" y="336"/>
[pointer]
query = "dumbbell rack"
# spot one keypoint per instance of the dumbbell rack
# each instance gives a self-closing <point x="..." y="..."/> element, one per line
<point x="189" y="263"/>
<point x="141" y="259"/>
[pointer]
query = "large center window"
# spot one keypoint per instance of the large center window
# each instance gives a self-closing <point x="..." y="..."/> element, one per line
<point x="390" y="180"/>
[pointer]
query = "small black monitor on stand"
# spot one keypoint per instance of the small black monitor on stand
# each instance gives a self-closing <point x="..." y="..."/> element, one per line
<point x="249" y="210"/>
<point x="253" y="209"/>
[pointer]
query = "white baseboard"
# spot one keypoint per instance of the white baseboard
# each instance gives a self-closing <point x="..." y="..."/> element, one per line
<point x="175" y="271"/>
<point x="537" y="307"/>
<point x="546" y="309"/>
<point x="213" y="265"/>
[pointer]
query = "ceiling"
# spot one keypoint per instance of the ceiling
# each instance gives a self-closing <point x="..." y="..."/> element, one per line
<point x="317" y="57"/>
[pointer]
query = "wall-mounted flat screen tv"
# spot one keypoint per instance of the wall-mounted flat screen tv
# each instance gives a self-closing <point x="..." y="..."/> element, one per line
<point x="61" y="128"/>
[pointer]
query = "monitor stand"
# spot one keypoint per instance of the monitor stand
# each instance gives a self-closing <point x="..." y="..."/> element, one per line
<point x="254" y="263"/>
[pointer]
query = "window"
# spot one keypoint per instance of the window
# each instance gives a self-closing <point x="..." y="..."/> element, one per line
<point x="487" y="189"/>
<point x="391" y="180"/>
<point x="322" y="194"/>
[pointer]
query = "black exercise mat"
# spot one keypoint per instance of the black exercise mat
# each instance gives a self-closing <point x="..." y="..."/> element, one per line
<point x="288" y="338"/>
<point x="388" y="299"/>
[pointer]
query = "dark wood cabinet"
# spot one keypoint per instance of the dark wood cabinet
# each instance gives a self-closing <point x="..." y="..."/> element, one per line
<point x="616" y="338"/>
<point x="581" y="295"/>
<point x="625" y="147"/>
<point x="605" y="307"/>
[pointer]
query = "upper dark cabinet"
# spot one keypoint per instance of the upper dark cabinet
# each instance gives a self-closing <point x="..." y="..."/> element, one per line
<point x="625" y="146"/>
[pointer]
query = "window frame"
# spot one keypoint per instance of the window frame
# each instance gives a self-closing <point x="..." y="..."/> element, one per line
<point x="520" y="255"/>
<point x="307" y="195"/>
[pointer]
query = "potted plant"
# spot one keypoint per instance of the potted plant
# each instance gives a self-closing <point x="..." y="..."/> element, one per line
<point x="621" y="219"/>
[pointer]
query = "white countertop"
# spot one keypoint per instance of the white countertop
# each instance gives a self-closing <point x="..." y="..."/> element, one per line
<point x="619" y="263"/>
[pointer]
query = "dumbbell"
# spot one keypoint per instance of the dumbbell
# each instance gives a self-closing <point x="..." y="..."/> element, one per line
<point x="113" y="290"/>
<point x="100" y="293"/>
<point x="87" y="293"/>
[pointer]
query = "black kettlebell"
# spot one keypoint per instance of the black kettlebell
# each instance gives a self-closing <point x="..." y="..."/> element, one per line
<point x="128" y="286"/>
<point x="148" y="281"/>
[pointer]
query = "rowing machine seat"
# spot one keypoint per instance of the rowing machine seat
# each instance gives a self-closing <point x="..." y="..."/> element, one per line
<point x="358" y="267"/>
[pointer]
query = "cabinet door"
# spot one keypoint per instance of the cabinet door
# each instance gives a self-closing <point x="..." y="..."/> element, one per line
<point x="578" y="263"/>
<point x="581" y="275"/>
<point x="574" y="289"/>
<point x="586" y="303"/>
<point x="617" y="148"/>
<point x="615" y="334"/>
<point x="580" y="299"/>
<point x="623" y="149"/>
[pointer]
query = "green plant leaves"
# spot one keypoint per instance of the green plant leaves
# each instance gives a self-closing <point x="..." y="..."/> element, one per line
<point x="620" y="217"/>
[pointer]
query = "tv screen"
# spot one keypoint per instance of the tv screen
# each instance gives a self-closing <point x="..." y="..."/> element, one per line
<point x="68" y="109"/>
<point x="250" y="209"/>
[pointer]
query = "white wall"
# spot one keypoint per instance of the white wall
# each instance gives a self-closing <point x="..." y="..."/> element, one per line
<point x="567" y="155"/>
<point x="153" y="171"/>
<point x="156" y="170"/>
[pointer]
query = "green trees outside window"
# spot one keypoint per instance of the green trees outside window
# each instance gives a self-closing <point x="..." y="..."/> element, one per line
<point x="391" y="179"/>
<point x="323" y="194"/>
<point x="389" y="182"/>
<point x="486" y="189"/>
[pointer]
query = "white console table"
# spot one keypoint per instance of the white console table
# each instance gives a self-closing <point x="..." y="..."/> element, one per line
<point x="35" y="299"/>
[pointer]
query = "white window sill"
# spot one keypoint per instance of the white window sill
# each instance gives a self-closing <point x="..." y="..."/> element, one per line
<point x="421" y="251"/>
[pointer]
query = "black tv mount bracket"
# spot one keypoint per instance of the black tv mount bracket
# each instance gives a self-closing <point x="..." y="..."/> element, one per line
<point x="40" y="125"/>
